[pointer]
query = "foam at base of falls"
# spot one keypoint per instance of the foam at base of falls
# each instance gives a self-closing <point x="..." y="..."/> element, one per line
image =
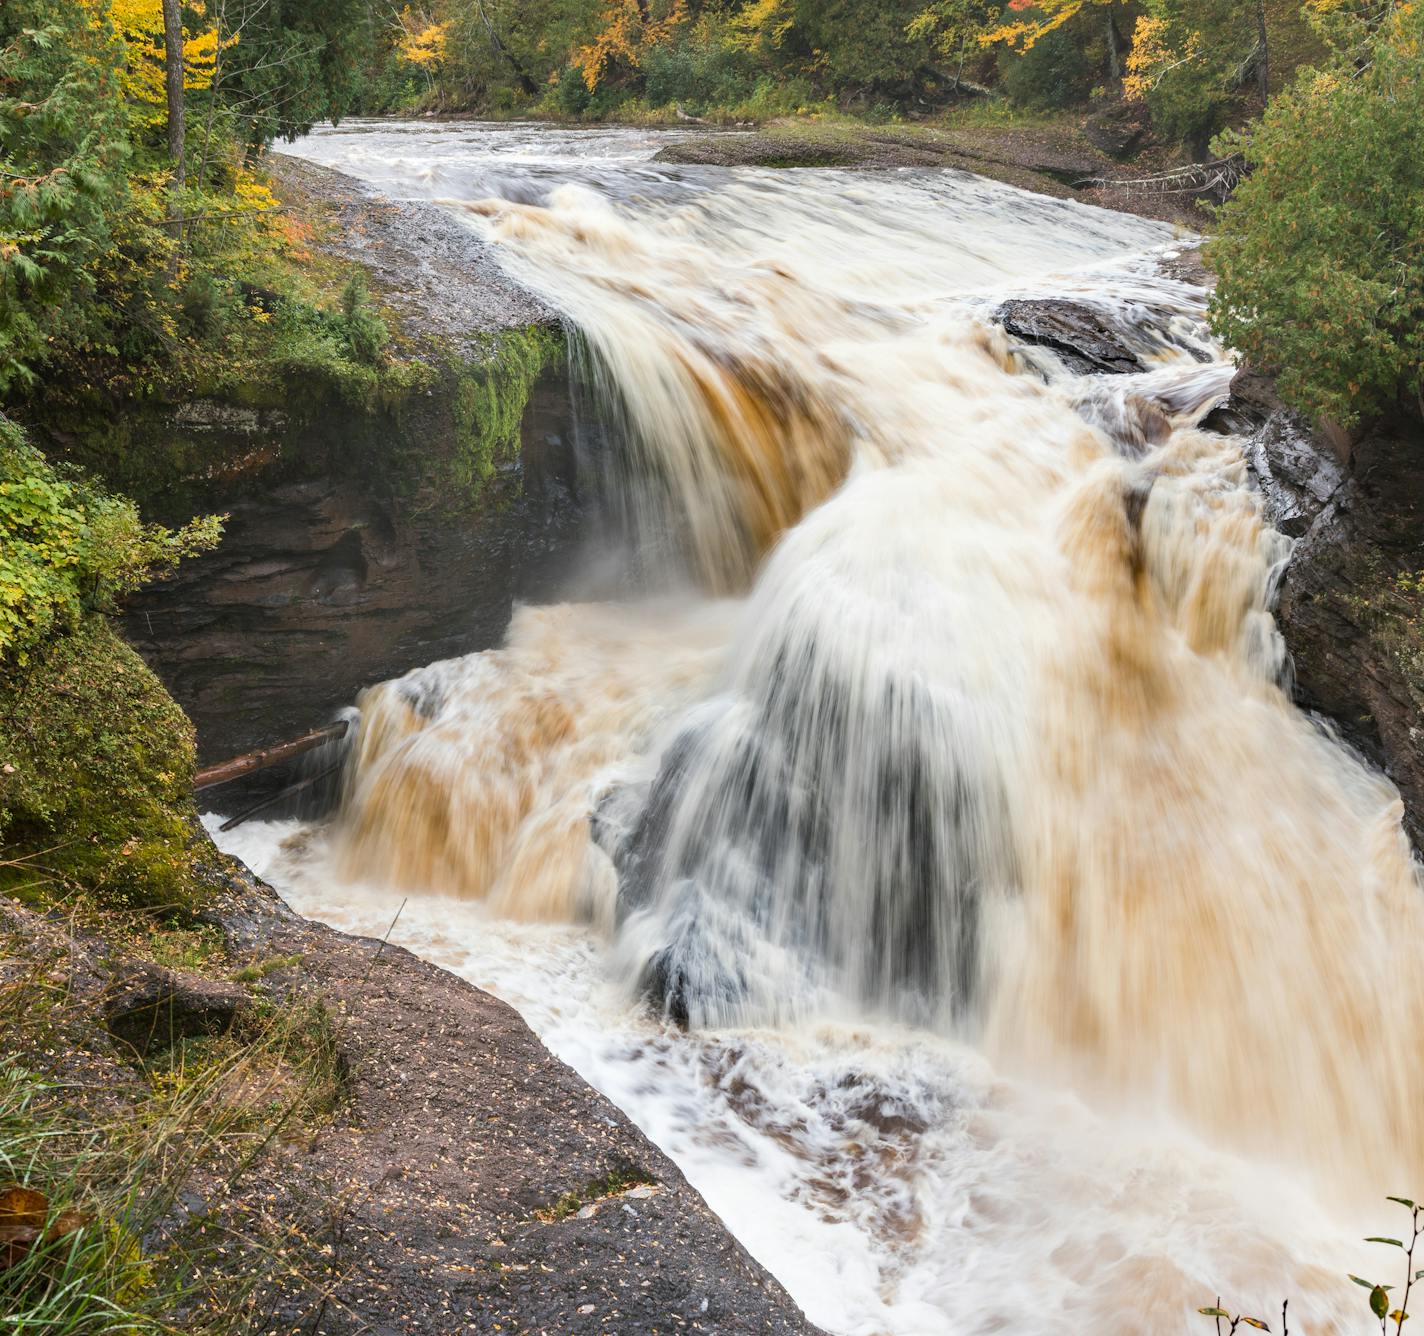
<point x="894" y="1182"/>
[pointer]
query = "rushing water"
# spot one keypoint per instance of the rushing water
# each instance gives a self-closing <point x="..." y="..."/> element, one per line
<point x="1045" y="970"/>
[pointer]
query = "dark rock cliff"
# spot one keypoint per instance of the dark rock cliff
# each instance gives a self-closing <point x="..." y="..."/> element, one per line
<point x="1351" y="602"/>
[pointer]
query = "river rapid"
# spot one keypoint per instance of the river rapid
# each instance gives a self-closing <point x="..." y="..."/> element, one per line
<point x="906" y="826"/>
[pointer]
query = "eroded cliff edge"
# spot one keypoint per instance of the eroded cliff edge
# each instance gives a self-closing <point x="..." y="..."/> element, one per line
<point x="1351" y="601"/>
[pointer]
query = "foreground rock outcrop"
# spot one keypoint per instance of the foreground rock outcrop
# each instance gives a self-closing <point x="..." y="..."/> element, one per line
<point x="457" y="1179"/>
<point x="484" y="1185"/>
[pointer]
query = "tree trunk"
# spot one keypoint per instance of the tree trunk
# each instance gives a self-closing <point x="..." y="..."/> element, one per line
<point x="1114" y="59"/>
<point x="1263" y="66"/>
<point x="529" y="87"/>
<point x="173" y="83"/>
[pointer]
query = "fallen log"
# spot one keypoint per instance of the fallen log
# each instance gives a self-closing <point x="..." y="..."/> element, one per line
<point x="265" y="756"/>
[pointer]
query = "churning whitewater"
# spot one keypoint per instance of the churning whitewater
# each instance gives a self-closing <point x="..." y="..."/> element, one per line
<point x="915" y="837"/>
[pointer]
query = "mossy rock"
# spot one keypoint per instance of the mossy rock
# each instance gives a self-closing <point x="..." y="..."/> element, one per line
<point x="96" y="773"/>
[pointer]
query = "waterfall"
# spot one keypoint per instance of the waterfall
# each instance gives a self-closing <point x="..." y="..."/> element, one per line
<point x="954" y="700"/>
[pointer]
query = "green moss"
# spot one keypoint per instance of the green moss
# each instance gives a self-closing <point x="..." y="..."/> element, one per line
<point x="491" y="392"/>
<point x="611" y="1184"/>
<point x="260" y="969"/>
<point x="96" y="770"/>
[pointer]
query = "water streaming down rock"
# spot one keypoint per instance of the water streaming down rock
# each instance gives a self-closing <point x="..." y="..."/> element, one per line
<point x="991" y="739"/>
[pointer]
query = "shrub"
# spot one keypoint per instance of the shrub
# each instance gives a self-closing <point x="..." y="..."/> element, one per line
<point x="96" y="759"/>
<point x="66" y="548"/>
<point x="1056" y="71"/>
<point x="1319" y="254"/>
<point x="701" y="74"/>
<point x="571" y="97"/>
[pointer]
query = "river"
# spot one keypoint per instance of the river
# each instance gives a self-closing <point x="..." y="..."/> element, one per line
<point x="917" y="841"/>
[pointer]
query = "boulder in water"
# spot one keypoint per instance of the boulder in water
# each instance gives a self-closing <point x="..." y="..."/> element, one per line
<point x="1083" y="339"/>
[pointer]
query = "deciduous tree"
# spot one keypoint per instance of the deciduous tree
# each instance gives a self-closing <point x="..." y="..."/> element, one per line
<point x="1320" y="253"/>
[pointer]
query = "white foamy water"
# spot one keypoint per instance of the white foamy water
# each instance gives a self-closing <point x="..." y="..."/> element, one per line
<point x="1037" y="953"/>
<point x="891" y="1180"/>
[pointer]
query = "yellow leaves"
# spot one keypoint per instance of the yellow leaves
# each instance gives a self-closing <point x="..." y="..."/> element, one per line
<point x="140" y="25"/>
<point x="1153" y="55"/>
<point x="627" y="29"/>
<point x="422" y="40"/>
<point x="254" y="194"/>
<point x="763" y="23"/>
<point x="1021" y="34"/>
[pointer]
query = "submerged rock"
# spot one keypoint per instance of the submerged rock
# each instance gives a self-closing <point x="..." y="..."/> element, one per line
<point x="1080" y="336"/>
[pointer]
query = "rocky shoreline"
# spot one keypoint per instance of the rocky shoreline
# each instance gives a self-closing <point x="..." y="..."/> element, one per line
<point x="464" y="1180"/>
<point x="1084" y="163"/>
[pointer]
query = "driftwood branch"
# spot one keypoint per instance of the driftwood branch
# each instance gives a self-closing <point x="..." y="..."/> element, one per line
<point x="265" y="756"/>
<point x="1219" y="177"/>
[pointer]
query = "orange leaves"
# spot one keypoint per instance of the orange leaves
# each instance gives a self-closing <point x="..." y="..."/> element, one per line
<point x="25" y="1224"/>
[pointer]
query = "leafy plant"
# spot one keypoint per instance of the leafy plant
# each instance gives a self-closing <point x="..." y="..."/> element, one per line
<point x="1379" y="1295"/>
<point x="63" y="147"/>
<point x="1320" y="252"/>
<point x="67" y="548"/>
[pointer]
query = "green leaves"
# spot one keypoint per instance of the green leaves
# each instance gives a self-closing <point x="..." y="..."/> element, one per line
<point x="62" y="145"/>
<point x="1379" y="1301"/>
<point x="1393" y="1243"/>
<point x="1321" y="275"/>
<point x="66" y="548"/>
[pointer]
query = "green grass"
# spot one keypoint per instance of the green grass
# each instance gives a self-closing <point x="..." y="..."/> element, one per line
<point x="113" y="1148"/>
<point x="611" y="1184"/>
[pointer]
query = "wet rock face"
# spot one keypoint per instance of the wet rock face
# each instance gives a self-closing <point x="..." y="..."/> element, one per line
<point x="1351" y="606"/>
<point x="1352" y="611"/>
<point x="1081" y="337"/>
<point x="356" y="570"/>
